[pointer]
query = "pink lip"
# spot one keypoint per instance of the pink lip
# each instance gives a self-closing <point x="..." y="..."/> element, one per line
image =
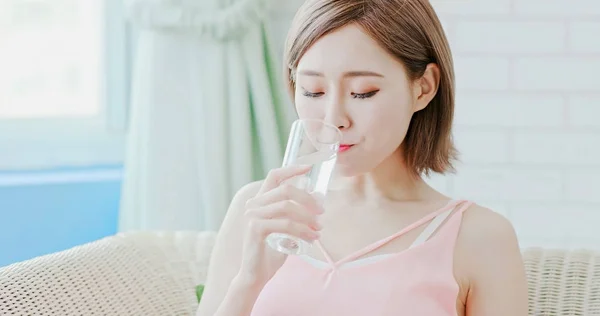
<point x="344" y="148"/>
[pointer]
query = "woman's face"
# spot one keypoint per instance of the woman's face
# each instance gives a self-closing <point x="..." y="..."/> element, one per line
<point x="349" y="81"/>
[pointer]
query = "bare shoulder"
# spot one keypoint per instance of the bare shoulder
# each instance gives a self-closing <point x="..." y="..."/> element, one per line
<point x="483" y="228"/>
<point x="490" y="261"/>
<point x="484" y="236"/>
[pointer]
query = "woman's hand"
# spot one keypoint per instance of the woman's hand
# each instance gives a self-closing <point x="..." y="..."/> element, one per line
<point x="241" y="261"/>
<point x="277" y="208"/>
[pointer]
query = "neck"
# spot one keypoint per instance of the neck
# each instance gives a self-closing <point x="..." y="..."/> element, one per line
<point x="390" y="181"/>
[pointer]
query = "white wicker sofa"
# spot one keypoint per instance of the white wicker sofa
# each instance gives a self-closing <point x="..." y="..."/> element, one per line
<point x="155" y="273"/>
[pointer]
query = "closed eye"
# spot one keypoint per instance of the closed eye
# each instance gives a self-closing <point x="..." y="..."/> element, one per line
<point x="311" y="94"/>
<point x="364" y="95"/>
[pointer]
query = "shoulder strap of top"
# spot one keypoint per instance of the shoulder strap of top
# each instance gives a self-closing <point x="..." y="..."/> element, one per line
<point x="439" y="221"/>
<point x="431" y="228"/>
<point x="378" y="244"/>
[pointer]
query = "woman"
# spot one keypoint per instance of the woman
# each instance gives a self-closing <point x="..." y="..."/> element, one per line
<point x="386" y="242"/>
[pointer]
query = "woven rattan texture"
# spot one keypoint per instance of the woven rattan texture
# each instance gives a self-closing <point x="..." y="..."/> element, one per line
<point x="129" y="274"/>
<point x="563" y="282"/>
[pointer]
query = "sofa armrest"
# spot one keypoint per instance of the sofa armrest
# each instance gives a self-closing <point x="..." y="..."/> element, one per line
<point x="563" y="282"/>
<point x="138" y="273"/>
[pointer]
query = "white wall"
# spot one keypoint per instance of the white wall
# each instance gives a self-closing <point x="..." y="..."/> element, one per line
<point x="528" y="112"/>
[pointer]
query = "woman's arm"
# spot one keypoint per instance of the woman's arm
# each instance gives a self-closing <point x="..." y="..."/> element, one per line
<point x="227" y="293"/>
<point x="241" y="263"/>
<point x="497" y="278"/>
<point x="239" y="299"/>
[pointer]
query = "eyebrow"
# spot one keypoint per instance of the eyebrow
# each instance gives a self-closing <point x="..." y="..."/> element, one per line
<point x="356" y="73"/>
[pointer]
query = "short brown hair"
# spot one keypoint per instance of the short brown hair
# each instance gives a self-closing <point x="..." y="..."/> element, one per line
<point x="411" y="32"/>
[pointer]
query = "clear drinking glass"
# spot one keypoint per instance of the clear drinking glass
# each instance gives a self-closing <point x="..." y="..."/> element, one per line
<point x="315" y="143"/>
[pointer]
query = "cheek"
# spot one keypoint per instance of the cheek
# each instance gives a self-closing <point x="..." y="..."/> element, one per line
<point x="389" y="111"/>
<point x="388" y="124"/>
<point x="307" y="109"/>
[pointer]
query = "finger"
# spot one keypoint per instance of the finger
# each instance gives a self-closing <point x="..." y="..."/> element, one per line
<point x="287" y="210"/>
<point x="279" y="175"/>
<point x="265" y="227"/>
<point x="283" y="193"/>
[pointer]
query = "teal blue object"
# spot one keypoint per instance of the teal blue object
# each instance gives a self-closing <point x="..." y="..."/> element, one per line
<point x="43" y="212"/>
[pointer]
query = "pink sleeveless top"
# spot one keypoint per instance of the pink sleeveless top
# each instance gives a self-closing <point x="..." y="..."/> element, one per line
<point x="416" y="281"/>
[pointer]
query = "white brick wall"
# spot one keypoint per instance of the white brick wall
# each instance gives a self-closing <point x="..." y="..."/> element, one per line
<point x="583" y="111"/>
<point x="499" y="37"/>
<point x="568" y="72"/>
<point x="468" y="72"/>
<point x="528" y="112"/>
<point x="582" y="35"/>
<point x="571" y="9"/>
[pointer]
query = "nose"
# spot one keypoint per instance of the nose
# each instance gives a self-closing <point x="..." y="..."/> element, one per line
<point x="337" y="114"/>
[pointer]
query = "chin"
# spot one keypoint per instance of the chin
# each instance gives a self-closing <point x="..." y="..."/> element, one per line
<point x="348" y="170"/>
<point x="357" y="165"/>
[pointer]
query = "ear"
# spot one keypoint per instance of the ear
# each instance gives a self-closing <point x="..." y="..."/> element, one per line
<point x="425" y="88"/>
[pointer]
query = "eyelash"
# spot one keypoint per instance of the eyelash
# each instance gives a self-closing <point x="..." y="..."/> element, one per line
<point x="312" y="94"/>
<point x="354" y="95"/>
<point x="364" y="95"/>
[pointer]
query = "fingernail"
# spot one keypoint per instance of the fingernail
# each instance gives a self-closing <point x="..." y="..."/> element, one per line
<point x="316" y="226"/>
<point x="319" y="210"/>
